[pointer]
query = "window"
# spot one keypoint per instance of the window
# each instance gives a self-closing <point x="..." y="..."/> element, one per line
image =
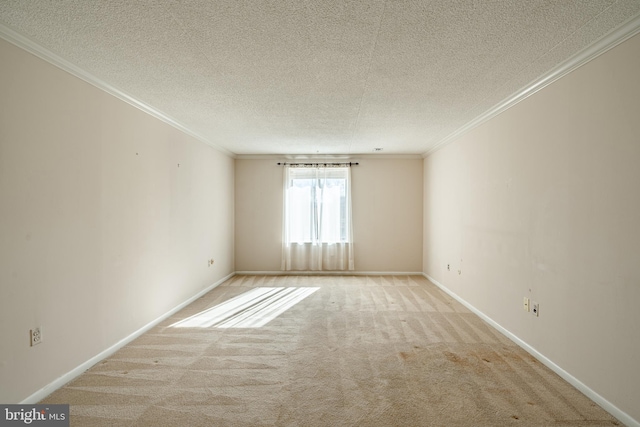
<point x="317" y="205"/>
<point x="317" y="231"/>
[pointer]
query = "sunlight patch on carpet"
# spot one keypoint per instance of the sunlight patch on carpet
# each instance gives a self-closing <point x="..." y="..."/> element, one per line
<point x="252" y="309"/>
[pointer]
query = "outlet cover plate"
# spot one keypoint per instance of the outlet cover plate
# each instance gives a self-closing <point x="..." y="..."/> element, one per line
<point x="36" y="336"/>
<point x="536" y="309"/>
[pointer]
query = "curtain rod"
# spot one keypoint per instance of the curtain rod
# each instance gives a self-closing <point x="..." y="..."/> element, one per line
<point x="318" y="164"/>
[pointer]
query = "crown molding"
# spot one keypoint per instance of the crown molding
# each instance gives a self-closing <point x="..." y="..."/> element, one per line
<point x="609" y="41"/>
<point x="327" y="157"/>
<point x="624" y="32"/>
<point x="41" y="52"/>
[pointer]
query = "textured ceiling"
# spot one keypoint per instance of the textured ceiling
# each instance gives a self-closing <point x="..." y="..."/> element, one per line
<point x="318" y="76"/>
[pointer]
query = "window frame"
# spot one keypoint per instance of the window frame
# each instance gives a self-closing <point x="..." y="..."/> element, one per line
<point x="314" y="233"/>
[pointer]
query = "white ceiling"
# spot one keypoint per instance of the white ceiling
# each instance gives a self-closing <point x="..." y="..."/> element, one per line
<point x="317" y="76"/>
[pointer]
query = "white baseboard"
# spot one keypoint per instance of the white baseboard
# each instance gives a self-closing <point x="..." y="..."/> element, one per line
<point x="56" y="384"/>
<point x="604" y="403"/>
<point x="328" y="273"/>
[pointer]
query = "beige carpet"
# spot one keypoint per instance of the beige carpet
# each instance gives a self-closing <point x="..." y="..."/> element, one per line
<point x="359" y="351"/>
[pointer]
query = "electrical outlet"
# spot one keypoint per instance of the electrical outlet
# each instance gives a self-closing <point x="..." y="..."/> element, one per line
<point x="36" y="336"/>
<point x="526" y="304"/>
<point x="536" y="309"/>
<point x="448" y="267"/>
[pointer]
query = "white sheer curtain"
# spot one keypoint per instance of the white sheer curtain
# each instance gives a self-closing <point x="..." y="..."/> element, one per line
<point x="317" y="230"/>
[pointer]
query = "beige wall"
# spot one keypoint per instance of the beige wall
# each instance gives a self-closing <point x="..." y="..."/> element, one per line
<point x="544" y="201"/>
<point x="100" y="231"/>
<point x="387" y="215"/>
<point x="258" y="233"/>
